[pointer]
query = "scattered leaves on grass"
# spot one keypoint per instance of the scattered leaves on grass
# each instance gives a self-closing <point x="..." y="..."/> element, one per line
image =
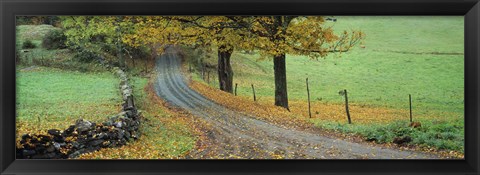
<point x="332" y="113"/>
<point x="165" y="133"/>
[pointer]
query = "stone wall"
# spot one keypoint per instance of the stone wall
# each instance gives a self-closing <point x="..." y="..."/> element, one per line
<point x="85" y="136"/>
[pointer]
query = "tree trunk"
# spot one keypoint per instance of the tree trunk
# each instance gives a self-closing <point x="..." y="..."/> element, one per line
<point x="225" y="72"/>
<point x="280" y="26"/>
<point x="280" y="71"/>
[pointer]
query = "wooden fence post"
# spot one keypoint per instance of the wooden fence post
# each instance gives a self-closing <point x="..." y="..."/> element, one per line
<point x="410" y="100"/>
<point x="236" y="89"/>
<point x="308" y="94"/>
<point x="346" y="106"/>
<point x="254" y="96"/>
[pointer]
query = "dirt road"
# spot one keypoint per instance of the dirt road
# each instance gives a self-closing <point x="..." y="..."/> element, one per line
<point x="235" y="135"/>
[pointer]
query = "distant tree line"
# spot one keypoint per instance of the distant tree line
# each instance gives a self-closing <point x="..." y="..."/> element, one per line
<point x="37" y="20"/>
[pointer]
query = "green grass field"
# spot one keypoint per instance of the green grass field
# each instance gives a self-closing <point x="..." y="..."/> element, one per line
<point x="421" y="56"/>
<point x="378" y="74"/>
<point x="56" y="98"/>
<point x="53" y="98"/>
<point x="49" y="97"/>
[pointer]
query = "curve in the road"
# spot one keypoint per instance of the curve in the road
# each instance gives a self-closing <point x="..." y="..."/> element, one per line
<point x="238" y="136"/>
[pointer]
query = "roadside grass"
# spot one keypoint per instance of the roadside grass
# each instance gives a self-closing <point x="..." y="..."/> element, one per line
<point x="372" y="124"/>
<point x="421" y="56"/>
<point x="49" y="98"/>
<point x="163" y="132"/>
<point x="438" y="134"/>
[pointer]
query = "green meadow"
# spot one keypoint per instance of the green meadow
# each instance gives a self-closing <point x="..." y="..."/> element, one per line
<point x="421" y="56"/>
<point x="56" y="98"/>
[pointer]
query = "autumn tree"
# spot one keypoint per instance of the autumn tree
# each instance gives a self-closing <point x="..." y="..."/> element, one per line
<point x="202" y="31"/>
<point x="226" y="35"/>
<point x="155" y="33"/>
<point x="272" y="36"/>
<point x="276" y="36"/>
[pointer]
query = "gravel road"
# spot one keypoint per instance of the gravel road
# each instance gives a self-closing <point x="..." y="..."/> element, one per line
<point x="234" y="135"/>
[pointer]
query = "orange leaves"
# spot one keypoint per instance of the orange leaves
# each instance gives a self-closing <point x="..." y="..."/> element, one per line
<point x="272" y="35"/>
<point x="166" y="134"/>
<point x="271" y="113"/>
<point x="298" y="117"/>
<point x="359" y="114"/>
<point x="185" y="30"/>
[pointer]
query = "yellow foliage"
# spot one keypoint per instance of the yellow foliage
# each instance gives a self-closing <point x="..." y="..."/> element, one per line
<point x="298" y="115"/>
<point x="149" y="146"/>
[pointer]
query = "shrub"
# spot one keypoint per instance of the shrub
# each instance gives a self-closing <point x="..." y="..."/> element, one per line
<point x="55" y="39"/>
<point x="28" y="44"/>
<point x="140" y="52"/>
<point x="86" y="56"/>
<point x="446" y="135"/>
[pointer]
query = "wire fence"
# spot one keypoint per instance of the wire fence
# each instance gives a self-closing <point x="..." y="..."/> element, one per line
<point x="352" y="105"/>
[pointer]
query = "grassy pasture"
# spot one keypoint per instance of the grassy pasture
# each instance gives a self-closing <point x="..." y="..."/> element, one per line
<point x="49" y="97"/>
<point x="52" y="98"/>
<point x="421" y="56"/>
<point x="390" y="67"/>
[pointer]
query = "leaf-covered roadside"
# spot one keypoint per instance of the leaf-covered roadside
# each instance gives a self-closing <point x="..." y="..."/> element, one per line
<point x="165" y="134"/>
<point x="299" y="120"/>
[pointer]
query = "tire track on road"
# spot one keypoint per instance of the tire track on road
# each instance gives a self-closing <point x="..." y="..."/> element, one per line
<point x="241" y="136"/>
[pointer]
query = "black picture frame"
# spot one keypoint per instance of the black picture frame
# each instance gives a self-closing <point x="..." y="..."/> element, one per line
<point x="10" y="8"/>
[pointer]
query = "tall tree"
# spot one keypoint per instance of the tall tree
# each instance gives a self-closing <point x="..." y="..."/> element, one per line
<point x="277" y="36"/>
<point x="155" y="33"/>
<point x="224" y="33"/>
<point x="272" y="36"/>
<point x="225" y="72"/>
<point x="203" y="31"/>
